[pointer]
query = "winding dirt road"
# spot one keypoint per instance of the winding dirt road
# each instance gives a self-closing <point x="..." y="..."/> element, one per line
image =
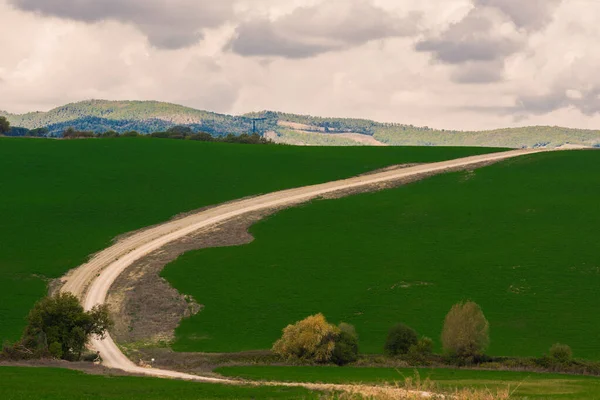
<point x="91" y="281"/>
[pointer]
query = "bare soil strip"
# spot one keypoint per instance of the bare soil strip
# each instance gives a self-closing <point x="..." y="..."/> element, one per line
<point x="92" y="281"/>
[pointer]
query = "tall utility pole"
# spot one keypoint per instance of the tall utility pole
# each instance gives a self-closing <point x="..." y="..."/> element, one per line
<point x="254" y="121"/>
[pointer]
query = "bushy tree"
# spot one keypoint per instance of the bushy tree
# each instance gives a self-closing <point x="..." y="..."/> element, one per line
<point x="4" y="125"/>
<point x="399" y="340"/>
<point x="466" y="331"/>
<point x="346" y="345"/>
<point x="59" y="325"/>
<point x="312" y="339"/>
<point x="561" y="353"/>
<point x="422" y="349"/>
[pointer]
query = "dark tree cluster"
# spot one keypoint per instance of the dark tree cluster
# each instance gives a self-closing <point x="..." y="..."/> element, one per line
<point x="59" y="327"/>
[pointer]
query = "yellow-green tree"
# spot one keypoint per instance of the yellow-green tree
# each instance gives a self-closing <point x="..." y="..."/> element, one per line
<point x="312" y="339"/>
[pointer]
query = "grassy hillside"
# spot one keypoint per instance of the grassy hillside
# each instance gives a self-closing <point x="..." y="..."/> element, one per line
<point x="59" y="384"/>
<point x="523" y="384"/>
<point x="519" y="238"/>
<point x="150" y="116"/>
<point x="122" y="116"/>
<point x="64" y="200"/>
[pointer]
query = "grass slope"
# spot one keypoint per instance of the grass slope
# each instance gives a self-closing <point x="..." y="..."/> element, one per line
<point x="525" y="384"/>
<point x="59" y="384"/>
<point x="64" y="200"/>
<point x="519" y="237"/>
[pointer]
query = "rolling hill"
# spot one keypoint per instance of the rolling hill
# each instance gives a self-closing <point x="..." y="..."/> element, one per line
<point x="151" y="116"/>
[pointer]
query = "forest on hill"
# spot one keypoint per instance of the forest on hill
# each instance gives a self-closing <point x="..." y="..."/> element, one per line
<point x="144" y="117"/>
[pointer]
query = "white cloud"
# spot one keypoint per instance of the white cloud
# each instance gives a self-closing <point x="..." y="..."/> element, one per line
<point x="495" y="63"/>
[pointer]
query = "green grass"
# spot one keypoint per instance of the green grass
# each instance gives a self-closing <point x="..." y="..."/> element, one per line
<point x="60" y="384"/>
<point x="519" y="237"/>
<point x="525" y="384"/>
<point x="64" y="200"/>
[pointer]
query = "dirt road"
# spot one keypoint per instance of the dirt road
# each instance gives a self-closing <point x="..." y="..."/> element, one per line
<point x="92" y="280"/>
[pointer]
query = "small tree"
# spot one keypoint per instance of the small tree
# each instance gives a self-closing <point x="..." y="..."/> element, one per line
<point x="346" y="345"/>
<point x="399" y="340"/>
<point x="312" y="339"/>
<point x="466" y="331"/>
<point x="561" y="353"/>
<point x="60" y="325"/>
<point x="420" y="351"/>
<point x="4" y="125"/>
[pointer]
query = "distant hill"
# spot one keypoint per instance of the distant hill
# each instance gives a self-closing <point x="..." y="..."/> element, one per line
<point x="152" y="116"/>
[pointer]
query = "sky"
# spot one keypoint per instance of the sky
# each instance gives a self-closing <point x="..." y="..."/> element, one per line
<point x="454" y="64"/>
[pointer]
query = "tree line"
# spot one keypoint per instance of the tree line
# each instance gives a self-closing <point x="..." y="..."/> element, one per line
<point x="177" y="132"/>
<point x="465" y="338"/>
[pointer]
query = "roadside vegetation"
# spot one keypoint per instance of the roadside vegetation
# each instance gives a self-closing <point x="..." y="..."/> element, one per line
<point x="519" y="385"/>
<point x="64" y="200"/>
<point x="519" y="238"/>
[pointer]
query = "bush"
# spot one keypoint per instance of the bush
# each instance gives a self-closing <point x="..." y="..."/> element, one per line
<point x="346" y="345"/>
<point x="312" y="339"/>
<point x="420" y="351"/>
<point x="399" y="340"/>
<point x="466" y="331"/>
<point x="55" y="350"/>
<point x="561" y="353"/>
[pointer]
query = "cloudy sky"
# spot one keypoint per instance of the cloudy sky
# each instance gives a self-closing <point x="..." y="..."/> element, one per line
<point x="460" y="64"/>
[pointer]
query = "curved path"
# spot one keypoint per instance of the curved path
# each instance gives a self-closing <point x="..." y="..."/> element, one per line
<point x="92" y="280"/>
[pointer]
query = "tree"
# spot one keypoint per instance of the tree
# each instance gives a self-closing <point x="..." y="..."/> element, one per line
<point x="466" y="331"/>
<point x="312" y="339"/>
<point x="346" y="345"/>
<point x="4" y="125"/>
<point x="399" y="340"/>
<point x="61" y="326"/>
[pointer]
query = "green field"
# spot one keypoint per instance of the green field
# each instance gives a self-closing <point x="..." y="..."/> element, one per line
<point x="64" y="200"/>
<point x="524" y="384"/>
<point x="519" y="237"/>
<point x="60" y="384"/>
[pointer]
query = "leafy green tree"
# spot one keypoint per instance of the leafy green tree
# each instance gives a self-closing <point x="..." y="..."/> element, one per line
<point x="4" y="125"/>
<point x="346" y="345"/>
<point x="60" y="325"/>
<point x="466" y="331"/>
<point x="399" y="340"/>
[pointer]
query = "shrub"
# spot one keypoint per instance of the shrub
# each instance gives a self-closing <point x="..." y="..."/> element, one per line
<point x="466" y="331"/>
<point x="55" y="350"/>
<point x="346" y="345"/>
<point x="561" y="353"/>
<point x="399" y="340"/>
<point x="312" y="339"/>
<point x="420" y="351"/>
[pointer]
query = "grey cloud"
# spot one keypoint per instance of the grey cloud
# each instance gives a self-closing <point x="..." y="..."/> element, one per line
<point x="477" y="73"/>
<point x="556" y="99"/>
<point x="588" y="103"/>
<point x="478" y="36"/>
<point x="330" y="26"/>
<point x="167" y="24"/>
<point x="529" y="14"/>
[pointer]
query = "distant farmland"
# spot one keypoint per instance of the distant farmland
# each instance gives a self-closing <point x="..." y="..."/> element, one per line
<point x="64" y="200"/>
<point x="520" y="238"/>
